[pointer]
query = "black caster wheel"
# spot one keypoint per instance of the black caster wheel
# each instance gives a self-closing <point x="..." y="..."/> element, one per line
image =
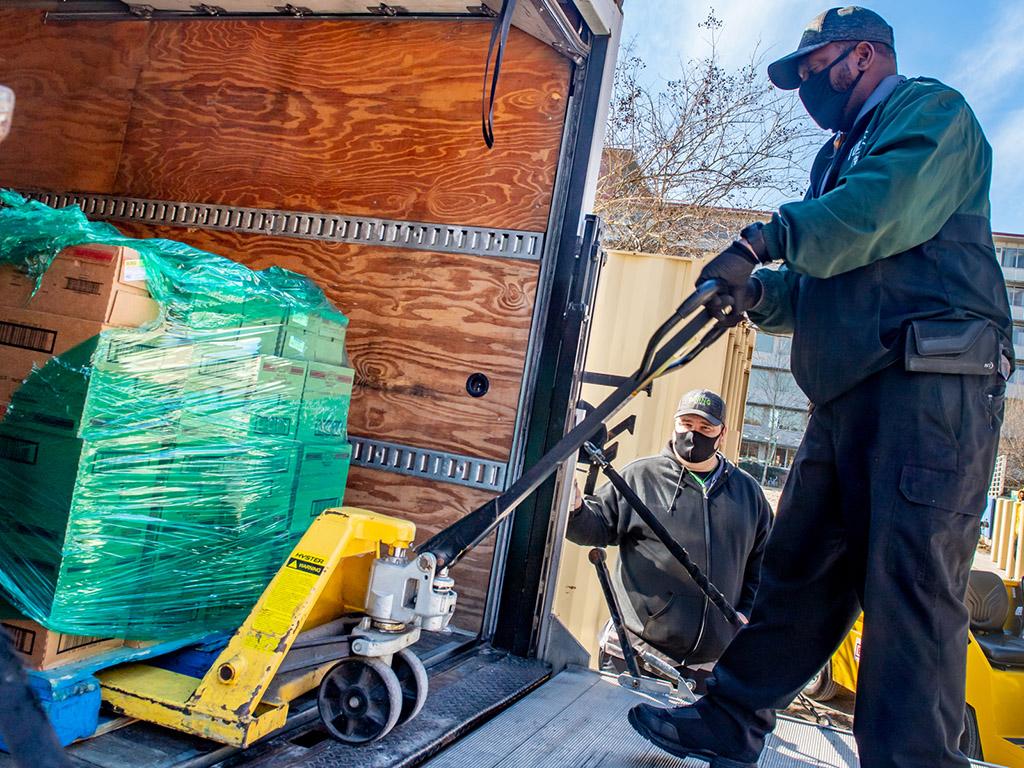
<point x="360" y="700"/>
<point x="412" y="677"/>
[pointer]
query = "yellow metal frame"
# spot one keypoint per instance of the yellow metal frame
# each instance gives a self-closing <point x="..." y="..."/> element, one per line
<point x="995" y="695"/>
<point x="324" y="578"/>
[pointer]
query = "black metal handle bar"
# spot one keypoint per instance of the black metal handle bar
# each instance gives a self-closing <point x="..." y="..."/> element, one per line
<point x="598" y="557"/>
<point x="451" y="543"/>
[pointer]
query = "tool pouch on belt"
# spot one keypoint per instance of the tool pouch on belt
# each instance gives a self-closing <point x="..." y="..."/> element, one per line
<point x="952" y="346"/>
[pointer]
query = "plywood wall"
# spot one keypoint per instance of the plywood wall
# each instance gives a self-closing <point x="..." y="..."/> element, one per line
<point x="363" y="118"/>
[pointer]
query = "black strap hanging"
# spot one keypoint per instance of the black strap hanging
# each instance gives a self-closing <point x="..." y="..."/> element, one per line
<point x="499" y="35"/>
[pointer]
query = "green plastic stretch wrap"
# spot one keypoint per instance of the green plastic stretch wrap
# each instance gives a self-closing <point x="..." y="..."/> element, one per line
<point x="153" y="479"/>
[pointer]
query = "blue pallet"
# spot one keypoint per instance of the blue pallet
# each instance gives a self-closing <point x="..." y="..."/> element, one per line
<point x="70" y="694"/>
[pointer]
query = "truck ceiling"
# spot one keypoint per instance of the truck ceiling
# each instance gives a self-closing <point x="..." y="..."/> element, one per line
<point x="558" y="23"/>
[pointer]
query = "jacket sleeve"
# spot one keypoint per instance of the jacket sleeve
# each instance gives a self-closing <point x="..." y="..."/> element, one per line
<point x="776" y="311"/>
<point x="921" y="166"/>
<point x="752" y="572"/>
<point x="596" y="522"/>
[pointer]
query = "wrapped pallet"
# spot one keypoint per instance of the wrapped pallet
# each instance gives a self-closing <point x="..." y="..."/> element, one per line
<point x="152" y="479"/>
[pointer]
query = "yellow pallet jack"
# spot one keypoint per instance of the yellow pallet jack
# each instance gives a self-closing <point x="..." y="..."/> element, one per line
<point x="352" y="597"/>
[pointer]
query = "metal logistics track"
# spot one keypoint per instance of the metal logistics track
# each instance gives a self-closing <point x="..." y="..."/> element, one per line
<point x="327" y="227"/>
<point x="486" y="474"/>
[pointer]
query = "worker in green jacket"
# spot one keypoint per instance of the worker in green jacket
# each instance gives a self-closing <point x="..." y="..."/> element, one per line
<point x="889" y="283"/>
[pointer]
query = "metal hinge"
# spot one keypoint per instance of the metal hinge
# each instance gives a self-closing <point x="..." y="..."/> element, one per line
<point x="293" y="10"/>
<point x="386" y="10"/>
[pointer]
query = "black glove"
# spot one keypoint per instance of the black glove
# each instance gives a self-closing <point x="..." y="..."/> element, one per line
<point x="738" y="302"/>
<point x="732" y="266"/>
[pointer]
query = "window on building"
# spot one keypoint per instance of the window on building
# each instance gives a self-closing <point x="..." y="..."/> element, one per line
<point x="1011" y="257"/>
<point x="756" y="415"/>
<point x="772" y="345"/>
<point x="751" y="450"/>
<point x="1016" y="296"/>
<point x="1018" y="335"/>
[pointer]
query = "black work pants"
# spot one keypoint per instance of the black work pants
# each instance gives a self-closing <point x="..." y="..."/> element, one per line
<point x="880" y="513"/>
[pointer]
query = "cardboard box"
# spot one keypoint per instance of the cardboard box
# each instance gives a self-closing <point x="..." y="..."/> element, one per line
<point x="37" y="477"/>
<point x="99" y="283"/>
<point x="326" y="397"/>
<point x="29" y="339"/>
<point x="41" y="648"/>
<point x="329" y="345"/>
<point x="52" y="399"/>
<point x="260" y="395"/>
<point x="320" y="482"/>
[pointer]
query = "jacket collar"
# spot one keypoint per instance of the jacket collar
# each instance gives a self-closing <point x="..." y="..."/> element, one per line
<point x="882" y="92"/>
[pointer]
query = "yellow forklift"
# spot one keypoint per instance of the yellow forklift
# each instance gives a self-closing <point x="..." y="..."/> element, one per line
<point x="353" y="595"/>
<point x="994" y="717"/>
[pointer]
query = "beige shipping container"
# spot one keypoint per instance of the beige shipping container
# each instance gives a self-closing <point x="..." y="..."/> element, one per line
<point x="637" y="292"/>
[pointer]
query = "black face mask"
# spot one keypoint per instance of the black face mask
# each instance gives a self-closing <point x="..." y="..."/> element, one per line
<point x="822" y="101"/>
<point x="694" y="447"/>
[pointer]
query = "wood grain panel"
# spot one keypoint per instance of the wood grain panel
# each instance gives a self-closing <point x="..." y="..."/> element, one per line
<point x="432" y="506"/>
<point x="74" y="87"/>
<point x="420" y="324"/>
<point x="365" y="118"/>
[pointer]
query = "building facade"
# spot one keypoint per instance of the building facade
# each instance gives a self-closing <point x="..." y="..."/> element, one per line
<point x="776" y="412"/>
<point x="1010" y="252"/>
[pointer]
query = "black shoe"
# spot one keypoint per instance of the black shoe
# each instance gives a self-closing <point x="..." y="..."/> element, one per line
<point x="681" y="732"/>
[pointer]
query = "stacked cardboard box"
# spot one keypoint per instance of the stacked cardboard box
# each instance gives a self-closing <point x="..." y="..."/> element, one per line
<point x="145" y="465"/>
<point x="39" y="648"/>
<point x="87" y="289"/>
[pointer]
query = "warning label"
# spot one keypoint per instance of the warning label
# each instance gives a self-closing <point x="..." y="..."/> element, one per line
<point x="283" y="603"/>
<point x="301" y="565"/>
<point x="310" y="564"/>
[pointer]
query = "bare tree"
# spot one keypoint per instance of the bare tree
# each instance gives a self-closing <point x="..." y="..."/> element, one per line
<point x="709" y="138"/>
<point x="1011" y="443"/>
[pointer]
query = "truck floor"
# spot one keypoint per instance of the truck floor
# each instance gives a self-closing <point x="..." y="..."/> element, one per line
<point x="579" y="719"/>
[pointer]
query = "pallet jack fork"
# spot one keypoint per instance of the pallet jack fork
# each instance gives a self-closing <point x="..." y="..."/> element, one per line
<point x="340" y="615"/>
<point x="309" y="620"/>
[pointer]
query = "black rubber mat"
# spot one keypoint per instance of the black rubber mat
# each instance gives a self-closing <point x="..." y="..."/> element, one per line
<point x="463" y="694"/>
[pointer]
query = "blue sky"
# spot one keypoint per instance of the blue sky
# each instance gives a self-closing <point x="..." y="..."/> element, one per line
<point x="976" y="46"/>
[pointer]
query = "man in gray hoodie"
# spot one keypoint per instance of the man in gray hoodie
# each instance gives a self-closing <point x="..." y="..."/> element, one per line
<point x="714" y="509"/>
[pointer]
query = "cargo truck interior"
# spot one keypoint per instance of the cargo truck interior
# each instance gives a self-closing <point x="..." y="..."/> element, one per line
<point x="343" y="140"/>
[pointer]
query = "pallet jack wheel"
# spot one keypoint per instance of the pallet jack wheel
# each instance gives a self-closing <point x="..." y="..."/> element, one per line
<point x="360" y="700"/>
<point x="412" y="676"/>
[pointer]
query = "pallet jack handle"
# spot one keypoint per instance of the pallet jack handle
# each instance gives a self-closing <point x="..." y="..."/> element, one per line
<point x="705" y="305"/>
<point x="677" y="550"/>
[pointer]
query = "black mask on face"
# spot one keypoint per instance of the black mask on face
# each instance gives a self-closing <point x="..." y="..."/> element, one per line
<point x="822" y="101"/>
<point x="694" y="447"/>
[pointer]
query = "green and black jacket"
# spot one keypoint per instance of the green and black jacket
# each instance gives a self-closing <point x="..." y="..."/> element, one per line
<point x="901" y="232"/>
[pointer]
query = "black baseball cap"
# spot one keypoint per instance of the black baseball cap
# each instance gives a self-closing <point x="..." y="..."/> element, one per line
<point x="702" y="402"/>
<point x="850" y="23"/>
